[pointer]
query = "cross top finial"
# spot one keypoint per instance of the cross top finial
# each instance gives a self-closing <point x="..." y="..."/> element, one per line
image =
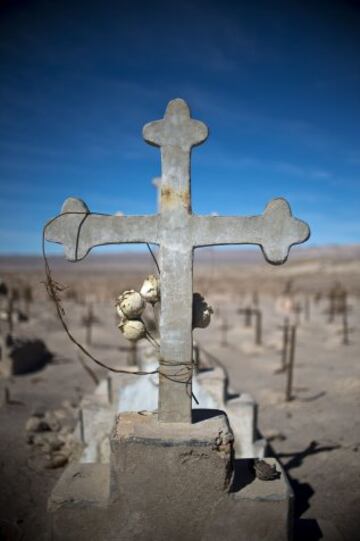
<point x="177" y="128"/>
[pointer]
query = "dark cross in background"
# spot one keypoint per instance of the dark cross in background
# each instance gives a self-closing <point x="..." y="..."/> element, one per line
<point x="255" y="298"/>
<point x="224" y="331"/>
<point x="337" y="297"/>
<point x="247" y="312"/>
<point x="258" y="326"/>
<point x="27" y="295"/>
<point x="12" y="299"/>
<point x="88" y="321"/>
<point x="285" y="344"/>
<point x="297" y="311"/>
<point x="307" y="307"/>
<point x="290" y="364"/>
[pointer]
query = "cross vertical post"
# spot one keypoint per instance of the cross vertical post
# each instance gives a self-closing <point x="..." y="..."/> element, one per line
<point x="176" y="134"/>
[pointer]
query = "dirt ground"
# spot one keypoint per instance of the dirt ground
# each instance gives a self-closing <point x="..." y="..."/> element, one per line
<point x="316" y="435"/>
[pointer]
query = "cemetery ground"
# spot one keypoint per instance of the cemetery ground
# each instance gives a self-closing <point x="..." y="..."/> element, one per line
<point x="316" y="435"/>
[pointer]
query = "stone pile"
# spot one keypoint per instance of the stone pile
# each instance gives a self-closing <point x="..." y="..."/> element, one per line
<point x="51" y="433"/>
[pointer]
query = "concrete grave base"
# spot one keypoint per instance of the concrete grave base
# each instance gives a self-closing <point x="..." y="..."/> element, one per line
<point x="241" y="410"/>
<point x="210" y="386"/>
<point x="170" y="481"/>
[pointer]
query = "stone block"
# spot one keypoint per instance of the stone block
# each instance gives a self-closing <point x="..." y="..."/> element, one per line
<point x="97" y="418"/>
<point x="214" y="381"/>
<point x="242" y="414"/>
<point x="170" y="474"/>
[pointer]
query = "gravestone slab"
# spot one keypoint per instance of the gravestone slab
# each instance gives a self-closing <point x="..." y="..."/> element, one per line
<point x="210" y="387"/>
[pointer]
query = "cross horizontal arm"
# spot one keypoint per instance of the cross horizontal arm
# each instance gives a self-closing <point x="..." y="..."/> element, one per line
<point x="275" y="231"/>
<point x="79" y="230"/>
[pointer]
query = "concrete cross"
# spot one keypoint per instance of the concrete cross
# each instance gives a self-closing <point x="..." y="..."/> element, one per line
<point x="177" y="231"/>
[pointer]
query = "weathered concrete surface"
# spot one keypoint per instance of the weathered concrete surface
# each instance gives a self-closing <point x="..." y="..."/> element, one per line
<point x="177" y="232"/>
<point x="242" y="415"/>
<point x="78" y="504"/>
<point x="241" y="410"/>
<point x="210" y="387"/>
<point x="97" y="418"/>
<point x="169" y="482"/>
<point x="81" y="485"/>
<point x="171" y="476"/>
<point x="259" y="511"/>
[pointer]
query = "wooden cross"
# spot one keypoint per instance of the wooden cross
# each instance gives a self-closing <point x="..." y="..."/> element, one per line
<point x="258" y="326"/>
<point x="290" y="364"/>
<point x="224" y="331"/>
<point x="88" y="320"/>
<point x="177" y="231"/>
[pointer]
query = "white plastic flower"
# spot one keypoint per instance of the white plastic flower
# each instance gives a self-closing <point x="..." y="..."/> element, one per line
<point x="130" y="304"/>
<point x="201" y="312"/>
<point x="150" y="290"/>
<point x="132" y="329"/>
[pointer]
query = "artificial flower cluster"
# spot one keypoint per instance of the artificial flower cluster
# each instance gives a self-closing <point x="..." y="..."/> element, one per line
<point x="131" y="304"/>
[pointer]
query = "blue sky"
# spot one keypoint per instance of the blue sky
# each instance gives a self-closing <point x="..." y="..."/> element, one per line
<point x="278" y="84"/>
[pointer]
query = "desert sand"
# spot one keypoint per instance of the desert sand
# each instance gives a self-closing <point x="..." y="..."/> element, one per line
<point x="316" y="435"/>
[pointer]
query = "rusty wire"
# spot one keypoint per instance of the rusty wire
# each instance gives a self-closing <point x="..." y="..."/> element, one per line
<point x="55" y="289"/>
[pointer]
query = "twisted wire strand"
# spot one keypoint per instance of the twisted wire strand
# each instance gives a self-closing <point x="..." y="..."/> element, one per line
<point x="54" y="290"/>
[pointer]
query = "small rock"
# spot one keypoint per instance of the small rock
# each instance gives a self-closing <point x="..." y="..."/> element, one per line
<point x="66" y="418"/>
<point x="265" y="471"/>
<point x="60" y="414"/>
<point x="51" y="442"/>
<point x="35" y="424"/>
<point x="57" y="461"/>
<point x="52" y="421"/>
<point x="65" y="430"/>
<point x="69" y="404"/>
